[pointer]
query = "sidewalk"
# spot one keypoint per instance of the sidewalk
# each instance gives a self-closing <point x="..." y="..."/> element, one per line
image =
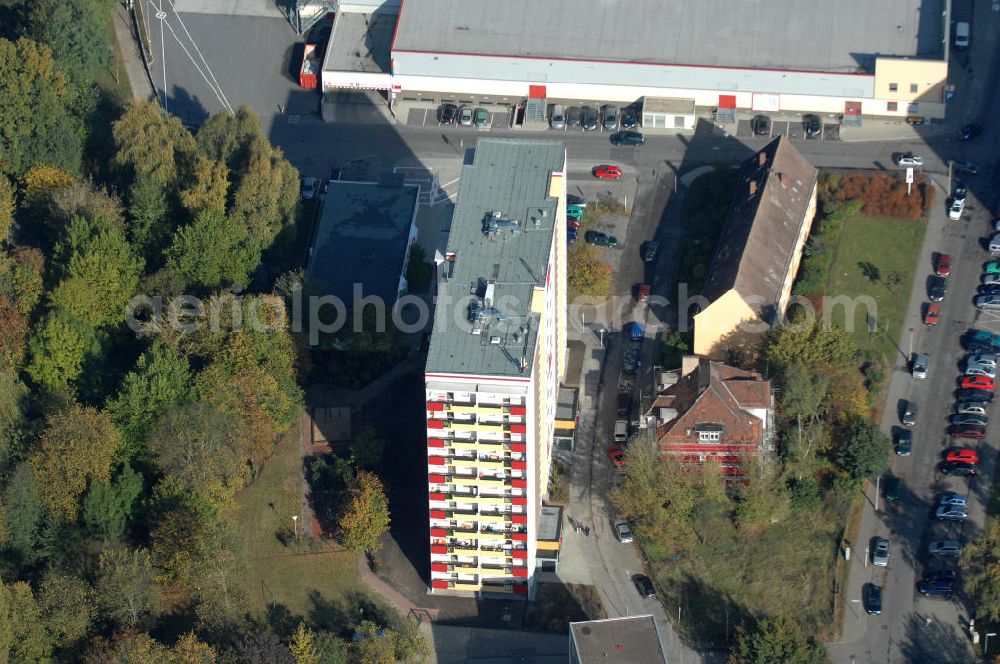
<point x="138" y="79"/>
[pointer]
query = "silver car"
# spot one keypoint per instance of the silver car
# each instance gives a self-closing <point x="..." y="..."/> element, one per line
<point x="991" y="301"/>
<point x="951" y="498"/>
<point x="980" y="370"/>
<point x="880" y="552"/>
<point x="991" y="279"/>
<point x="984" y="359"/>
<point x="951" y="513"/>
<point x="465" y="116"/>
<point x="623" y="532"/>
<point x="970" y="408"/>
<point x="945" y="548"/>
<point x="970" y="418"/>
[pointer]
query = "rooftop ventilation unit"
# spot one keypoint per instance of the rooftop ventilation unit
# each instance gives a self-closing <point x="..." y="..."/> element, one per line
<point x="494" y="224"/>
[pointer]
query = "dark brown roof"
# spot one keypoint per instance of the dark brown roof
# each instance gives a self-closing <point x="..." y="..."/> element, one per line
<point x="755" y="251"/>
<point x="716" y="393"/>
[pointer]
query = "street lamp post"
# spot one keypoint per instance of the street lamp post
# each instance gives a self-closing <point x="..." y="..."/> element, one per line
<point x="295" y="526"/>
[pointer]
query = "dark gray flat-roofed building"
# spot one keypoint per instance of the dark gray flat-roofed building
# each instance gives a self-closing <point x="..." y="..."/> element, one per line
<point x="363" y="237"/>
<point x="629" y="640"/>
<point x="779" y="34"/>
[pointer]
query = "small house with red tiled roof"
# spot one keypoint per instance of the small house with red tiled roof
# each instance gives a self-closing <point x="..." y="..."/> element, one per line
<point x="715" y="411"/>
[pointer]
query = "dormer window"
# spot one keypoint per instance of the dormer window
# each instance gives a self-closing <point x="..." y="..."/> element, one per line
<point x="708" y="432"/>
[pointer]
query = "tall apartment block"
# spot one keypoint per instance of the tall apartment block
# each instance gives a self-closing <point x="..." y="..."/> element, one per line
<point x="496" y="358"/>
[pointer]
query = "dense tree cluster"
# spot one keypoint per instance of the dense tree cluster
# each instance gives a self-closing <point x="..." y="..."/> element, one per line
<point x="126" y="435"/>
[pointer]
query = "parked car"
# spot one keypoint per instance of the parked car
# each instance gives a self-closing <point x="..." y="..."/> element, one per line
<point x="918" y="366"/>
<point x="579" y="201"/>
<point x="642" y="292"/>
<point x="309" y="187"/>
<point x="557" y="120"/>
<point x="573" y="222"/>
<point x="971" y="407"/>
<point x="993" y="267"/>
<point x="624" y="405"/>
<point x="938" y="588"/>
<point x="761" y="125"/>
<point x="448" y="114"/>
<point x="908" y="159"/>
<point x="957" y="469"/>
<point x="616" y="456"/>
<point x="812" y="125"/>
<point x="573" y="116"/>
<point x="945" y="548"/>
<point x="644" y="586"/>
<point x="970" y="131"/>
<point x="627" y="138"/>
<point x="652" y="250"/>
<point x="976" y="383"/>
<point x="951" y="498"/>
<point x="623" y="532"/>
<point x="961" y="455"/>
<point x="932" y="314"/>
<point x="629" y="118"/>
<point x="980" y="370"/>
<point x="904" y="442"/>
<point x="609" y="117"/>
<point x="989" y="301"/>
<point x="964" y="166"/>
<point x="955" y="209"/>
<point x="941" y="575"/>
<point x="969" y="418"/>
<point x="942" y="266"/>
<point x="983" y="359"/>
<point x="572" y="235"/>
<point x="574" y="211"/>
<point x="482" y="117"/>
<point x="937" y="288"/>
<point x="909" y="417"/>
<point x="600" y="239"/>
<point x="873" y="599"/>
<point x="992" y="279"/>
<point x="880" y="552"/>
<point x="608" y="172"/>
<point x="588" y="118"/>
<point x="959" y="191"/>
<point x="465" y="116"/>
<point x="967" y="431"/>
<point x="891" y="486"/>
<point x="989" y="290"/>
<point x="951" y="513"/>
<point x="974" y="396"/>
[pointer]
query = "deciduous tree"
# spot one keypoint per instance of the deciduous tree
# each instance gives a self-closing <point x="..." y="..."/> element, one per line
<point x="126" y="590"/>
<point x="303" y="646"/>
<point x="23" y="637"/>
<point x="36" y="126"/>
<point x="215" y="250"/>
<point x="151" y="142"/>
<point x="76" y="447"/>
<point x="209" y="189"/>
<point x="980" y="563"/>
<point x="76" y="32"/>
<point x="99" y="272"/>
<point x="776" y="640"/>
<point x="585" y="273"/>
<point x="59" y="348"/>
<point x="67" y="608"/>
<point x="366" y="516"/>
<point x="864" y="449"/>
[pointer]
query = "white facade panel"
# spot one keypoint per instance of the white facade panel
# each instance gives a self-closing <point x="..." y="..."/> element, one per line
<point x="355" y="80"/>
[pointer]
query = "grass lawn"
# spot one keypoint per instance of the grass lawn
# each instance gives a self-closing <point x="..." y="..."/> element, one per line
<point x="272" y="571"/>
<point x="785" y="567"/>
<point x="892" y="246"/>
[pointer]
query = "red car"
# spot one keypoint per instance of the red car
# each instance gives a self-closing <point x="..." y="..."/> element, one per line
<point x="642" y="292"/>
<point x="973" y="431"/>
<point x="962" y="455"/>
<point x="933" y="314"/>
<point x="573" y="223"/>
<point x="616" y="456"/>
<point x="608" y="172"/>
<point x="977" y="383"/>
<point x="943" y="266"/>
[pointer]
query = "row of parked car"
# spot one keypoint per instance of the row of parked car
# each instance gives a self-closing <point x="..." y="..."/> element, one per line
<point x="968" y="422"/>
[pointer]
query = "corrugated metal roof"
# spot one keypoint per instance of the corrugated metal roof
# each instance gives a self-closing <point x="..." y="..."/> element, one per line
<point x="779" y="34"/>
<point x="510" y="177"/>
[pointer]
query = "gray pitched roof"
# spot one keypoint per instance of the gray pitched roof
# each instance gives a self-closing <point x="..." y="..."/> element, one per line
<point x="755" y="252"/>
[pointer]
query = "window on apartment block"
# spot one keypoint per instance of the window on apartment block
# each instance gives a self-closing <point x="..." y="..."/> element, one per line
<point x="891" y="106"/>
<point x="893" y="87"/>
<point x="914" y="88"/>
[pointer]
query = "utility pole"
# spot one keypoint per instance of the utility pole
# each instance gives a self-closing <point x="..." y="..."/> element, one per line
<point x="878" y="479"/>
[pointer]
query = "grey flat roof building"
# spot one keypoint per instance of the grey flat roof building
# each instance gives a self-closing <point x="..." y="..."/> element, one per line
<point x="814" y="36"/>
<point x="362" y="236"/>
<point x="501" y="238"/>
<point x="629" y="640"/>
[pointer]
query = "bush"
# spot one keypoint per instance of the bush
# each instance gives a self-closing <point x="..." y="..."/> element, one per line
<point x="881" y="194"/>
<point x="804" y="494"/>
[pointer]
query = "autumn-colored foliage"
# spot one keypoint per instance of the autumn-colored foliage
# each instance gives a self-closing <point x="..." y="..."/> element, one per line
<point x="882" y="194"/>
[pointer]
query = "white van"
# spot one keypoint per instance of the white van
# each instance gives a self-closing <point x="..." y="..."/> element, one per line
<point x="961" y="35"/>
<point x="621" y="432"/>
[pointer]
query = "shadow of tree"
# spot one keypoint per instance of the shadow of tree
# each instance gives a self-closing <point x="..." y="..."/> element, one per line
<point x="935" y="642"/>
